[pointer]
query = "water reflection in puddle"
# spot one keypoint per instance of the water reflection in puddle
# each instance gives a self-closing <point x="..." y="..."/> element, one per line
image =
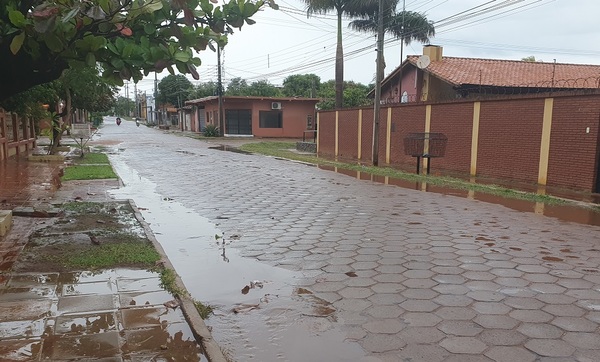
<point x="581" y="215"/>
<point x="263" y="323"/>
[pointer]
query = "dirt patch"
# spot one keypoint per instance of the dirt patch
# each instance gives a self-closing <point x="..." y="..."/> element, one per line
<point x="88" y="236"/>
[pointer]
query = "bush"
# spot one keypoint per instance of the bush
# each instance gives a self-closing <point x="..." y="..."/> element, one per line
<point x="211" y="131"/>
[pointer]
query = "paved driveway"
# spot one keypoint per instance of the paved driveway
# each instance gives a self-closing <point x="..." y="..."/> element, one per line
<point x="352" y="270"/>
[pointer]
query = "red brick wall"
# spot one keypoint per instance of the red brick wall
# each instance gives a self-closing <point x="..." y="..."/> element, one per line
<point x="405" y="119"/>
<point x="455" y="120"/>
<point x="348" y="134"/>
<point x="573" y="152"/>
<point x="367" y="135"/>
<point x="510" y="134"/>
<point x="509" y="138"/>
<point x="326" y="133"/>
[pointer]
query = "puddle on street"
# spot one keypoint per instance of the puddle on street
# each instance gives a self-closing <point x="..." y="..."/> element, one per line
<point x="265" y="323"/>
<point x="576" y="214"/>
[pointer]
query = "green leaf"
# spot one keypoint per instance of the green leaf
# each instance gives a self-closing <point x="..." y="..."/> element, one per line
<point x="182" y="57"/>
<point x="117" y="63"/>
<point x="149" y="29"/>
<point x="16" y="18"/>
<point x="249" y="10"/>
<point x="53" y="42"/>
<point x="105" y="5"/>
<point x="128" y="50"/>
<point x="70" y="15"/>
<point x="90" y="59"/>
<point x="17" y="43"/>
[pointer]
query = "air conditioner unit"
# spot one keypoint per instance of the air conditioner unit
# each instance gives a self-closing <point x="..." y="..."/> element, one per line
<point x="276" y="105"/>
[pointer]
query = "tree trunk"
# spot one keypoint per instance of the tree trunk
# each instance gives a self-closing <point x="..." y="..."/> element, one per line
<point x="339" y="65"/>
<point x="59" y="127"/>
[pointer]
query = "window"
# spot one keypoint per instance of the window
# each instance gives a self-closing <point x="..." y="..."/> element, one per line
<point x="270" y="119"/>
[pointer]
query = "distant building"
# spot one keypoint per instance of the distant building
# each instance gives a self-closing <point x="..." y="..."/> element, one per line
<point x="255" y="116"/>
<point x="434" y="77"/>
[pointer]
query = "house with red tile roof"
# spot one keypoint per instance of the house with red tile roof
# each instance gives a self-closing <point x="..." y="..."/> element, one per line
<point x="434" y="77"/>
<point x="255" y="116"/>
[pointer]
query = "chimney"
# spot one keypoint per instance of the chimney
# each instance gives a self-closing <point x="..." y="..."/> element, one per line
<point x="434" y="52"/>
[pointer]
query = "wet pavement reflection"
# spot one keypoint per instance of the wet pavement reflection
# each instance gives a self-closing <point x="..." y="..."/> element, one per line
<point x="573" y="213"/>
<point x="247" y="295"/>
<point x="25" y="183"/>
<point x="89" y="315"/>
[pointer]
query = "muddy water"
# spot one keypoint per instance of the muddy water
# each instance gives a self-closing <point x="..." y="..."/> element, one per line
<point x="259" y="315"/>
<point x="571" y="213"/>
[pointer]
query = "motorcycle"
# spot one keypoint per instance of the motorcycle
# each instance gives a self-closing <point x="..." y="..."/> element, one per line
<point x="137" y="122"/>
<point x="118" y="121"/>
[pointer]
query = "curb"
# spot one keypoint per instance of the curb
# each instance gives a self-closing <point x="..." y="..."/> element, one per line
<point x="201" y="332"/>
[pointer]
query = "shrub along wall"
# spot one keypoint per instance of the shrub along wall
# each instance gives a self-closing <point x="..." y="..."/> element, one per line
<point x="546" y="140"/>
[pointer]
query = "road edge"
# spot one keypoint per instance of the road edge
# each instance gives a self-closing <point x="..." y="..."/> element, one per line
<point x="203" y="336"/>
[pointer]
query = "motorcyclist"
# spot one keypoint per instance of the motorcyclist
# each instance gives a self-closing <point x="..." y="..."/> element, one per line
<point x="137" y="122"/>
<point x="118" y="121"/>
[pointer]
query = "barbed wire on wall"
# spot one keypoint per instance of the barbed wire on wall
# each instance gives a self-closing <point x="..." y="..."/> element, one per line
<point x="576" y="86"/>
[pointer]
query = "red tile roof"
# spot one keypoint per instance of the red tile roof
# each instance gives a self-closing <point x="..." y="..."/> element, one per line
<point x="511" y="73"/>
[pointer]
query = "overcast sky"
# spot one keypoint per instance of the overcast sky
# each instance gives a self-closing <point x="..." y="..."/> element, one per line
<point x="286" y="42"/>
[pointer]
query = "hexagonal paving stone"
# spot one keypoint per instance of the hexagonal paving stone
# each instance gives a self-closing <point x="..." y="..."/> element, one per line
<point x="496" y="321"/>
<point x="491" y="308"/>
<point x="419" y="294"/>
<point x="418" y="274"/>
<point x="467" y="345"/>
<point x="550" y="347"/>
<point x="523" y="303"/>
<point x="564" y="310"/>
<point x="423" y="352"/>
<point x="555" y="299"/>
<point x="547" y="288"/>
<point x="486" y="296"/>
<point x="419" y="283"/>
<point x="502" y="337"/>
<point x="456" y="313"/>
<point x="510" y="354"/>
<point x="385" y="326"/>
<point x="415" y="335"/>
<point x="352" y="305"/>
<point x="386" y="299"/>
<point x="379" y="343"/>
<point x="419" y="305"/>
<point x="328" y="286"/>
<point x="451" y="289"/>
<point x="573" y="324"/>
<point x="583" y="340"/>
<point x="418" y="319"/>
<point x="355" y="292"/>
<point x="531" y="316"/>
<point x="388" y="288"/>
<point x="540" y="330"/>
<point x="460" y="328"/>
<point x="385" y="311"/>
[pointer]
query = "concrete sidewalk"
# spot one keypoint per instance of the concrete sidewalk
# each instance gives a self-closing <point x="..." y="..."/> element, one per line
<point x="105" y="315"/>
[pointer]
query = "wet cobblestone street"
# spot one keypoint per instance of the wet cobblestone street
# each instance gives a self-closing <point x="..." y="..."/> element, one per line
<point x="360" y="271"/>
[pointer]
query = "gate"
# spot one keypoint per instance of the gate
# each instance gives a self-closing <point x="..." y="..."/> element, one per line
<point x="238" y="121"/>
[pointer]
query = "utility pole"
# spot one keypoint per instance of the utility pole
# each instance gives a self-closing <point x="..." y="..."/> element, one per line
<point x="127" y="99"/>
<point x="379" y="79"/>
<point x="220" y="90"/>
<point x="156" y="99"/>
<point x="135" y="111"/>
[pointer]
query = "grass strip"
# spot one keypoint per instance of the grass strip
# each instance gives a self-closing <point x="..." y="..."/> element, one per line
<point x="110" y="255"/>
<point x="88" y="172"/>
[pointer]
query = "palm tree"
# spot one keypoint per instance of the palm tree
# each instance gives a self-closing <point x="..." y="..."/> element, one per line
<point x="408" y="26"/>
<point x="350" y="8"/>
